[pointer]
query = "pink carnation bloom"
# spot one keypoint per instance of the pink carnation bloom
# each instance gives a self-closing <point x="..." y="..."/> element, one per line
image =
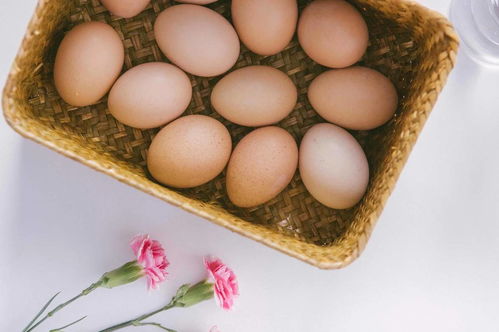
<point x="151" y="255"/>
<point x="225" y="282"/>
<point x="214" y="329"/>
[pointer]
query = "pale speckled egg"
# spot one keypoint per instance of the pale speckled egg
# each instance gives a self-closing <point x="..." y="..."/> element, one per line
<point x="189" y="151"/>
<point x="356" y="98"/>
<point x="150" y="95"/>
<point x="125" y="8"/>
<point x="88" y="61"/>
<point x="261" y="166"/>
<point x="254" y="96"/>
<point x="333" y="33"/>
<point x="265" y="27"/>
<point x="333" y="166"/>
<point x="197" y="39"/>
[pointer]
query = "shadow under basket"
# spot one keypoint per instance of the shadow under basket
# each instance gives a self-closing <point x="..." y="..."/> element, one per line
<point x="413" y="46"/>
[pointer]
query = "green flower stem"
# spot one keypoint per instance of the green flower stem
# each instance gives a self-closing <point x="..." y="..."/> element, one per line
<point x="84" y="292"/>
<point x="125" y="274"/>
<point x="137" y="321"/>
<point x="187" y="295"/>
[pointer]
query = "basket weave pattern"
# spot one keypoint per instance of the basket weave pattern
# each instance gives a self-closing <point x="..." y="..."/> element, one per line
<point x="413" y="46"/>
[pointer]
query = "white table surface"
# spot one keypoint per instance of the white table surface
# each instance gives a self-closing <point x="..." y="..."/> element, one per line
<point x="432" y="263"/>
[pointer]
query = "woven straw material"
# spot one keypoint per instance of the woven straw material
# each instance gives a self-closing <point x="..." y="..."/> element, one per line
<point x="415" y="47"/>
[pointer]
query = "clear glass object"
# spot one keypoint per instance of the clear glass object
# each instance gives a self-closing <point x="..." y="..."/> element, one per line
<point x="477" y="23"/>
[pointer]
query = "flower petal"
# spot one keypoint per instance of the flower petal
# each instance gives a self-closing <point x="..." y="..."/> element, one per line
<point x="151" y="256"/>
<point x="226" y="287"/>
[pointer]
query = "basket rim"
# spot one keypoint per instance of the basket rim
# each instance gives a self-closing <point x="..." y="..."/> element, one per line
<point x="324" y="259"/>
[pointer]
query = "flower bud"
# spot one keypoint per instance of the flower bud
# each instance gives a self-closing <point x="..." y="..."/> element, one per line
<point x="199" y="292"/>
<point x="125" y="274"/>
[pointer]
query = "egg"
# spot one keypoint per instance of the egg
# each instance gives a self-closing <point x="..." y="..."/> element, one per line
<point x="189" y="151"/>
<point x="261" y="166"/>
<point x="333" y="166"/>
<point x="333" y="33"/>
<point x="254" y="96"/>
<point x="125" y="8"/>
<point x="197" y="39"/>
<point x="87" y="63"/>
<point x="198" y="2"/>
<point x="356" y="98"/>
<point x="150" y="95"/>
<point x="265" y="27"/>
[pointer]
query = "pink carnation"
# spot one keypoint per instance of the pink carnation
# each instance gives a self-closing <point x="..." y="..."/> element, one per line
<point x="214" y="329"/>
<point x="151" y="255"/>
<point x="225" y="282"/>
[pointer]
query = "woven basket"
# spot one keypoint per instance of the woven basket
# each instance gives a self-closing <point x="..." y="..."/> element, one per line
<point x="415" y="47"/>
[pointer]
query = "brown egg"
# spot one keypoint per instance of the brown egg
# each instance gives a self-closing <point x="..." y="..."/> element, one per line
<point x="333" y="33"/>
<point x="265" y="27"/>
<point x="254" y="96"/>
<point x="262" y="165"/>
<point x="197" y="39"/>
<point x="189" y="151"/>
<point x="125" y="8"/>
<point x="198" y="2"/>
<point x="150" y="95"/>
<point x="333" y="166"/>
<point x="356" y="98"/>
<point x="87" y="63"/>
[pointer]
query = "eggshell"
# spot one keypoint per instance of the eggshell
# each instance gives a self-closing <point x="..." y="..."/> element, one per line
<point x="150" y="95"/>
<point x="262" y="165"/>
<point x="189" y="151"/>
<point x="356" y="98"/>
<point x="254" y="96"/>
<point x="87" y="63"/>
<point x="197" y="39"/>
<point x="333" y="33"/>
<point x="198" y="2"/>
<point x="333" y="166"/>
<point x="125" y="8"/>
<point x="265" y="27"/>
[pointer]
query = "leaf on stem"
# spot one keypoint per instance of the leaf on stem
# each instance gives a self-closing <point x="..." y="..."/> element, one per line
<point x="153" y="324"/>
<point x="41" y="311"/>
<point x="70" y="324"/>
